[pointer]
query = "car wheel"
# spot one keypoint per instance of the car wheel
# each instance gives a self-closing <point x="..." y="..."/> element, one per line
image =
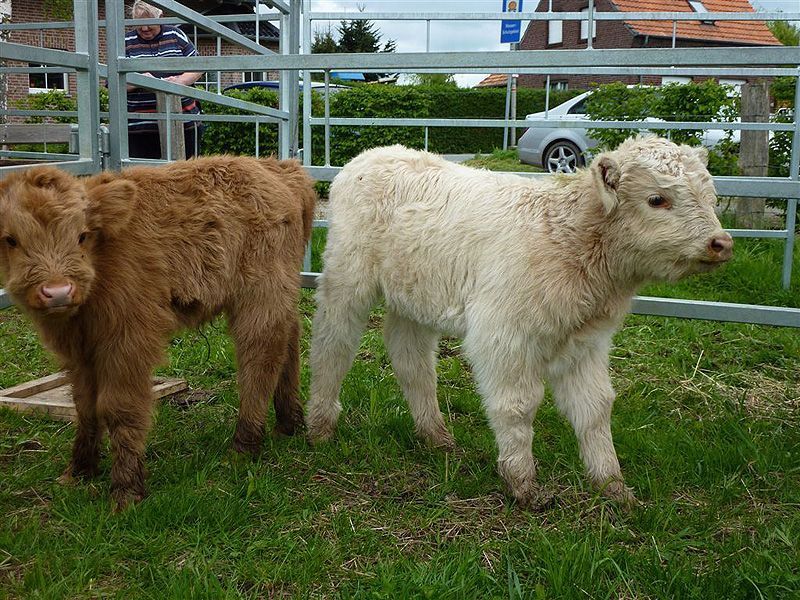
<point x="562" y="157"/>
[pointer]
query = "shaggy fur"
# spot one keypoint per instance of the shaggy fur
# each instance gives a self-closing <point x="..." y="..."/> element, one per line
<point x="111" y="266"/>
<point x="535" y="275"/>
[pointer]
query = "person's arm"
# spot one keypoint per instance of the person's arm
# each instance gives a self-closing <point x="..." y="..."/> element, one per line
<point x="185" y="78"/>
<point x="131" y="87"/>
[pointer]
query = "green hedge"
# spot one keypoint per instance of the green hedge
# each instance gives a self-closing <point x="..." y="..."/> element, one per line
<point x="384" y="102"/>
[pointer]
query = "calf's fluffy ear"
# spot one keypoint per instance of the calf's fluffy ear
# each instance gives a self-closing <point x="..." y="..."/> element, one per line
<point x="111" y="206"/>
<point x="605" y="172"/>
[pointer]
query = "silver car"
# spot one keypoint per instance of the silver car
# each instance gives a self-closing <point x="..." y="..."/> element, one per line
<point x="557" y="149"/>
<point x="560" y="149"/>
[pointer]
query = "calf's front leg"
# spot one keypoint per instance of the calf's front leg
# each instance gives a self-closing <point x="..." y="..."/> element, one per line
<point x="511" y="394"/>
<point x="124" y="403"/>
<point x="85" y="459"/>
<point x="583" y="393"/>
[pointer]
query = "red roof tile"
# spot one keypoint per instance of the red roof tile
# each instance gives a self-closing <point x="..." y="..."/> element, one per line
<point x="743" y="32"/>
<point x="494" y="80"/>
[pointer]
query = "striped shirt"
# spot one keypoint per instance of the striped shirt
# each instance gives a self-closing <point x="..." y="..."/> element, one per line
<point x="170" y="42"/>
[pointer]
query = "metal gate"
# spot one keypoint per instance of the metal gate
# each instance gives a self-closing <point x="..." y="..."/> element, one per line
<point x="98" y="149"/>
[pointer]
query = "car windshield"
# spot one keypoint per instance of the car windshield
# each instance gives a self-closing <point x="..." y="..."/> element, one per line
<point x="578" y="109"/>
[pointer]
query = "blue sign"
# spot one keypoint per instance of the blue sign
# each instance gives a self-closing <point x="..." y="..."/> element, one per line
<point x="510" y="30"/>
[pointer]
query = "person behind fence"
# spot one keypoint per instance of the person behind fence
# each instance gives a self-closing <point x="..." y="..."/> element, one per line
<point x="152" y="41"/>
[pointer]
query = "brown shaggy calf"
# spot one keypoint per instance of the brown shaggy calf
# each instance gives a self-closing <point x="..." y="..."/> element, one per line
<point x="111" y="266"/>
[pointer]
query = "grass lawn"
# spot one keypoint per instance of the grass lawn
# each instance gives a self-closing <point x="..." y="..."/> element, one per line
<point x="707" y="427"/>
<point x="501" y="160"/>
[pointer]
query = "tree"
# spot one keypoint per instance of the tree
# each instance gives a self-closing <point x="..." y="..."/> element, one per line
<point x="435" y="79"/>
<point x="786" y="33"/>
<point x="324" y="42"/>
<point x="354" y="37"/>
<point x="782" y="88"/>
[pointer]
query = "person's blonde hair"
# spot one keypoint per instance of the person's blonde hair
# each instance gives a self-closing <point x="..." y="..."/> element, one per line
<point x="143" y="9"/>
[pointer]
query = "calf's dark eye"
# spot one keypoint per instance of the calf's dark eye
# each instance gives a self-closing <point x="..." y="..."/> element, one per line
<point x="658" y="202"/>
<point x="82" y="238"/>
<point x="12" y="243"/>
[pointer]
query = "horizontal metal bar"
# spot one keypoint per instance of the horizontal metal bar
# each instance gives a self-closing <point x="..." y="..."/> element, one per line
<point x="203" y="117"/>
<point x="779" y="188"/>
<point x="135" y="22"/>
<point x="469" y="61"/>
<point x="717" y="311"/>
<point x="46" y="56"/>
<point x="557" y="16"/>
<point x="18" y="112"/>
<point x="36" y="70"/>
<point x="686" y="309"/>
<point x="39" y="155"/>
<point x="170" y="20"/>
<point x="564" y="123"/>
<point x="82" y="166"/>
<point x="759" y="233"/>
<point x="715" y="125"/>
<point x="191" y="92"/>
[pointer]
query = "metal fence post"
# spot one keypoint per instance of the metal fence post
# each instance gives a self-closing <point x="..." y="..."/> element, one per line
<point x="794" y="175"/>
<point x="85" y="12"/>
<point x="117" y="84"/>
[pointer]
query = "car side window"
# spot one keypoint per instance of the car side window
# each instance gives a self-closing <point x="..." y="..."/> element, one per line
<point x="578" y="109"/>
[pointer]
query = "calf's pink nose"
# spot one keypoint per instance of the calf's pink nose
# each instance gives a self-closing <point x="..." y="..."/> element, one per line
<point x="56" y="295"/>
<point x="721" y="246"/>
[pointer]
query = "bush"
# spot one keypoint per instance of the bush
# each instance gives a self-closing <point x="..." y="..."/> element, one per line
<point x="704" y="101"/>
<point x="54" y="100"/>
<point x="379" y="101"/>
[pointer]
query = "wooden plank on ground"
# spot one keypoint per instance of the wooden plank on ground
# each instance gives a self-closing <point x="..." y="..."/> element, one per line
<point x="52" y="395"/>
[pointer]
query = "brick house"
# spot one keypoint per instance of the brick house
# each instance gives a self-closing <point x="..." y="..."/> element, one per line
<point x="546" y="35"/>
<point x="19" y="85"/>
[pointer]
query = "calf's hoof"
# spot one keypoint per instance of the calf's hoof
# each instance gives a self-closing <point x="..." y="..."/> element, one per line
<point x="439" y="438"/>
<point x="249" y="447"/>
<point x="122" y="498"/>
<point x="319" y="430"/>
<point x="72" y="474"/>
<point x="247" y="439"/>
<point x="616" y="490"/>
<point x="289" y="425"/>
<point x="520" y="476"/>
<point x="535" y="498"/>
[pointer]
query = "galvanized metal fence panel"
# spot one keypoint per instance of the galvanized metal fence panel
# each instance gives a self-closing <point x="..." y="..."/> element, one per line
<point x="290" y="62"/>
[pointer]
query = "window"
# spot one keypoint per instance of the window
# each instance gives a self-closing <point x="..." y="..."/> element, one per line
<point x="44" y="82"/>
<point x="675" y="79"/>
<point x="252" y="76"/>
<point x="698" y="7"/>
<point x="585" y="27"/>
<point x="554" y="32"/>
<point x="735" y="83"/>
<point x="558" y="86"/>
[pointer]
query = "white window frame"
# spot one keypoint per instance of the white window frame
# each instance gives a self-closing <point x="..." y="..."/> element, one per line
<point x="675" y="79"/>
<point x="555" y="32"/>
<point x="585" y="26"/>
<point x="38" y="90"/>
<point x="736" y="83"/>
